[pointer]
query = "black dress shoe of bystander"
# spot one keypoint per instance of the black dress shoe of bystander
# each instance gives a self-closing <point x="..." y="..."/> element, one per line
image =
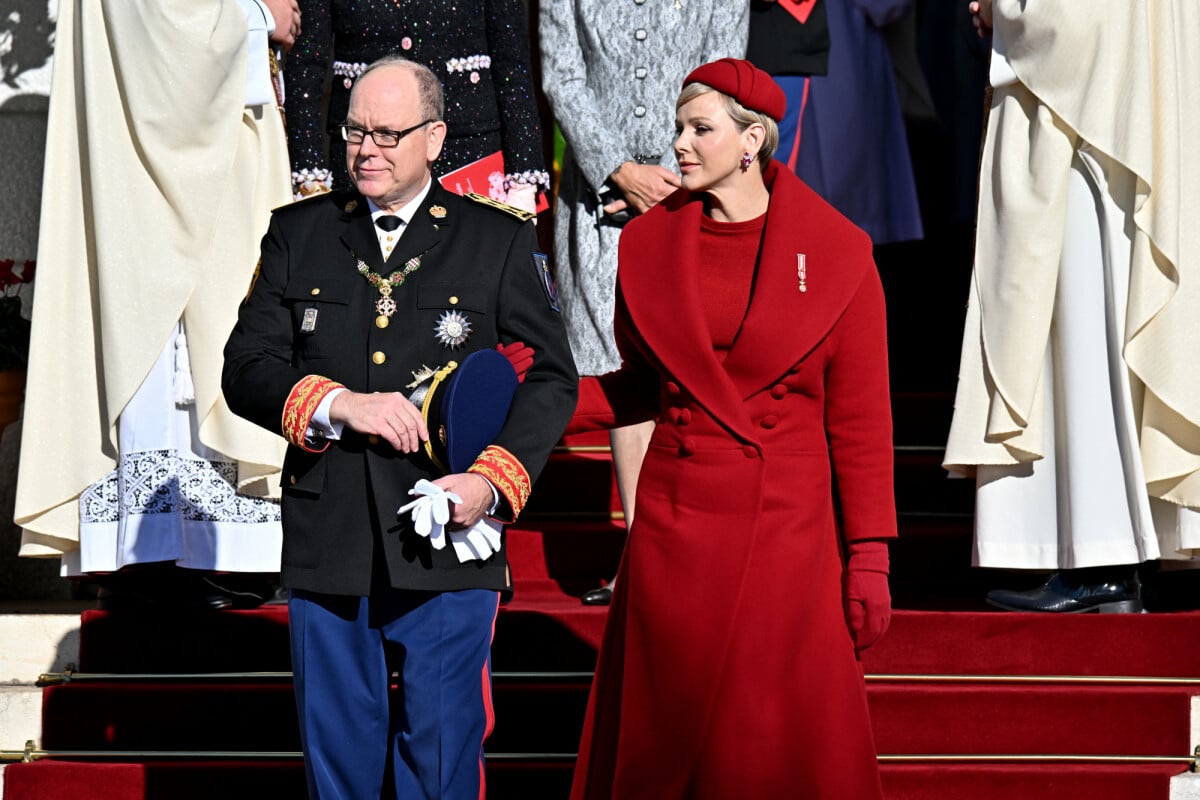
<point x="1116" y="591"/>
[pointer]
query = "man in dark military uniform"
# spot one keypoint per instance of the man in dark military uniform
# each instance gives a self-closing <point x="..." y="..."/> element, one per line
<point x="358" y="296"/>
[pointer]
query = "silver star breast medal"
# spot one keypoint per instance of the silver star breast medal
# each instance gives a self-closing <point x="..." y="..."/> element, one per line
<point x="452" y="329"/>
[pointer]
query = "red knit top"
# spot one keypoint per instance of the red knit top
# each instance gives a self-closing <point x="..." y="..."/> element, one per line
<point x="728" y="252"/>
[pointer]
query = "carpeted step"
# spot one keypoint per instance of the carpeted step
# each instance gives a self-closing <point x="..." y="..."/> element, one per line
<point x="543" y="713"/>
<point x="164" y="641"/>
<point x="1050" y="719"/>
<point x="156" y="716"/>
<point x="542" y="629"/>
<point x="540" y="713"/>
<point x="229" y="779"/>
<point x="551" y="780"/>
<point x="921" y="418"/>
<point x="923" y="487"/>
<point x="577" y="480"/>
<point x="918" y="642"/>
<point x="1005" y="643"/>
<point x="574" y="554"/>
<point x="1022" y="781"/>
<point x="238" y="779"/>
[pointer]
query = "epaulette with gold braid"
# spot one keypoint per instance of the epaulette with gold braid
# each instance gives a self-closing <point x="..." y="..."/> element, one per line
<point x="519" y="213"/>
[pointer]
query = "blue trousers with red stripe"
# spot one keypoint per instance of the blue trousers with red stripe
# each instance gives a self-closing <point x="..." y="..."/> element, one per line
<point x="426" y="741"/>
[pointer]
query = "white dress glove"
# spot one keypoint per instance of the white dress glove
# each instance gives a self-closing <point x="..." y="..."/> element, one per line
<point x="479" y="542"/>
<point x="430" y="513"/>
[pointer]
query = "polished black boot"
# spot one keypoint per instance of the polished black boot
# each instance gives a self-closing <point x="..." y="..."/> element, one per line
<point x="1113" y="590"/>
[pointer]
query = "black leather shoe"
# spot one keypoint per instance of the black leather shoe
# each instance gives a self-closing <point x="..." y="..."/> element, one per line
<point x="597" y="597"/>
<point x="1070" y="592"/>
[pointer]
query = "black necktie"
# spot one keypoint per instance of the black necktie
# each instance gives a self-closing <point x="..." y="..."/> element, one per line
<point x="389" y="222"/>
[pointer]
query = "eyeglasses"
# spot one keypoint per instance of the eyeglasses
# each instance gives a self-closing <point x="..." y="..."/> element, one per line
<point x="382" y="138"/>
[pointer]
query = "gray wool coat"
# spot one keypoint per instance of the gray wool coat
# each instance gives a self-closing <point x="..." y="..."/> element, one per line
<point x="612" y="70"/>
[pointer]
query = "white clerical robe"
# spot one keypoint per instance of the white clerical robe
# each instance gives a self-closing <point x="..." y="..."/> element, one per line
<point x="158" y="184"/>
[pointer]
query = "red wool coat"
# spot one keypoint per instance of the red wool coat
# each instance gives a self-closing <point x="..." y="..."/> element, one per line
<point x="727" y="669"/>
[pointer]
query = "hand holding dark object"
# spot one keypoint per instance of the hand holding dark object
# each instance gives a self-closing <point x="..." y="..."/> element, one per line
<point x="389" y="415"/>
<point x="868" y="599"/>
<point x="287" y="21"/>
<point x="520" y="355"/>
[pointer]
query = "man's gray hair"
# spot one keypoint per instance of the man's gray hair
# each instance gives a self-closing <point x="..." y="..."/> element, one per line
<point x="429" y="88"/>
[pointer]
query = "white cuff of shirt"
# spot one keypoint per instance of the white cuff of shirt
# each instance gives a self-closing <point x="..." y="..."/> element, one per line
<point x="319" y="426"/>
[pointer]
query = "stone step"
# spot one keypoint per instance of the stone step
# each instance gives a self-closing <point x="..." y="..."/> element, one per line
<point x="31" y="643"/>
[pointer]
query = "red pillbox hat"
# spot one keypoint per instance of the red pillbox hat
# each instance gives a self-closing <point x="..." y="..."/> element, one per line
<point x="744" y="82"/>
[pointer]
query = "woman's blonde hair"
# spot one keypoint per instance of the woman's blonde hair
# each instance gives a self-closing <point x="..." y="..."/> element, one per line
<point x="742" y="117"/>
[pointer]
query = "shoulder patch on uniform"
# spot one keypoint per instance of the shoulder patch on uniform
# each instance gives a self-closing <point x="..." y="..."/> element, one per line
<point x="541" y="262"/>
<point x="520" y="214"/>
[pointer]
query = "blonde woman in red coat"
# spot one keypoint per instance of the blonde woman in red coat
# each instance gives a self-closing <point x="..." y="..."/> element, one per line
<point x="751" y="323"/>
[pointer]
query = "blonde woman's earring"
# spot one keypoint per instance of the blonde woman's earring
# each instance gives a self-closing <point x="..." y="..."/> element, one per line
<point x="747" y="160"/>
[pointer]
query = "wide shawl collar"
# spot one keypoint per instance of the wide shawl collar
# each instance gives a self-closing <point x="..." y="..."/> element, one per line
<point x="660" y="283"/>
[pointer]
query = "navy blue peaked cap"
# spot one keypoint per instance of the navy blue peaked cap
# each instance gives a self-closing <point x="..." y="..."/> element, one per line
<point x="465" y="408"/>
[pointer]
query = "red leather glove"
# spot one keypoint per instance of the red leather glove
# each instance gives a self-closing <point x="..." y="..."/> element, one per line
<point x="868" y="600"/>
<point x="520" y="355"/>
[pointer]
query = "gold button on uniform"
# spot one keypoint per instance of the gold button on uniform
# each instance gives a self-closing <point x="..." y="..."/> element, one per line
<point x="315" y="292"/>
<point x="379" y="357"/>
<point x="373" y="439"/>
<point x="381" y="321"/>
<point x="292" y="480"/>
<point x="453" y="299"/>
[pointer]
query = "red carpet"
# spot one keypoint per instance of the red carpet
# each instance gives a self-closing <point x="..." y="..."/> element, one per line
<point x="48" y="780"/>
<point x="545" y="646"/>
<point x="1027" y="782"/>
<point x="1038" y="644"/>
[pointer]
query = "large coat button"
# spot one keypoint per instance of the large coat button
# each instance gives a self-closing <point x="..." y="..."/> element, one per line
<point x="673" y="388"/>
<point x="686" y="446"/>
<point x="749" y="451"/>
<point x="769" y="421"/>
<point x="779" y="391"/>
<point x="685" y="416"/>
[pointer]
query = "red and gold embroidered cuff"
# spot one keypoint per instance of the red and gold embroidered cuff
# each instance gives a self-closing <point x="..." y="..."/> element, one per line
<point x="507" y="474"/>
<point x="300" y="406"/>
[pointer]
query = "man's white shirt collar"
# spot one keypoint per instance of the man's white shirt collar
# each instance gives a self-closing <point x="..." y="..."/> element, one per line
<point x="406" y="211"/>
